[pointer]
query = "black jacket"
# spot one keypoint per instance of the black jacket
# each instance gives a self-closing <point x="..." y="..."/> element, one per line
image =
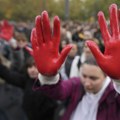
<point x="36" y="105"/>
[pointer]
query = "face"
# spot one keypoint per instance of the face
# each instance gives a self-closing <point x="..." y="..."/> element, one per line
<point x="73" y="51"/>
<point x="21" y="43"/>
<point x="32" y="72"/>
<point x="87" y="51"/>
<point x="92" y="78"/>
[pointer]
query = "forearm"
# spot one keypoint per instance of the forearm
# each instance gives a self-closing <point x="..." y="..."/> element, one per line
<point x="44" y="80"/>
<point x="54" y="87"/>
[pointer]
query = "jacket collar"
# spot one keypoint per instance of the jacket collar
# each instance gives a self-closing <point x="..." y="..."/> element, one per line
<point x="109" y="94"/>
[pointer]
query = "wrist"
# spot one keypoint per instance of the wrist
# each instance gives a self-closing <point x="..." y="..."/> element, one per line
<point x="48" y="80"/>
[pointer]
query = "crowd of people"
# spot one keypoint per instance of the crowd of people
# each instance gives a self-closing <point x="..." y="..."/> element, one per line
<point x="56" y="73"/>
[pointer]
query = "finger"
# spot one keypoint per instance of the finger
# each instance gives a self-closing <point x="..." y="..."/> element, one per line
<point x="114" y="20"/>
<point x="56" y="32"/>
<point x="34" y="39"/>
<point x="119" y="18"/>
<point x="95" y="51"/>
<point x="103" y="27"/>
<point x="64" y="54"/>
<point x="46" y="27"/>
<point x="29" y="50"/>
<point x="39" y="30"/>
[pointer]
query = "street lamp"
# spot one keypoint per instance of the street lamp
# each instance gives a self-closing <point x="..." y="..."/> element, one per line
<point x="66" y="9"/>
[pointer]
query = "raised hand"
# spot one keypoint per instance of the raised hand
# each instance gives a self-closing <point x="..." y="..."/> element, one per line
<point x="45" y="44"/>
<point x="6" y="31"/>
<point x="110" y="60"/>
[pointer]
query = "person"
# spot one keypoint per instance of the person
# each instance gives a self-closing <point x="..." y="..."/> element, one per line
<point x="35" y="104"/>
<point x="93" y="96"/>
<point x="74" y="72"/>
<point x="68" y="70"/>
<point x="11" y="96"/>
<point x="19" y="54"/>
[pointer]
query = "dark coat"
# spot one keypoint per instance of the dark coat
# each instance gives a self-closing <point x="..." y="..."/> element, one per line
<point x="36" y="105"/>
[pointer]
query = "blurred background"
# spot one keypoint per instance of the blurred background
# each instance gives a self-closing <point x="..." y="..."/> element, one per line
<point x="78" y="23"/>
<point x="26" y="10"/>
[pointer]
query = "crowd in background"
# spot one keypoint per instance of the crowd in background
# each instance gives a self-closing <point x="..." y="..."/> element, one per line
<point x="15" y="57"/>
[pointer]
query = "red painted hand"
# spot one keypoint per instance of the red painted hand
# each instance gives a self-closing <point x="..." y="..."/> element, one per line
<point x="7" y="31"/>
<point x="45" y="44"/>
<point x="110" y="60"/>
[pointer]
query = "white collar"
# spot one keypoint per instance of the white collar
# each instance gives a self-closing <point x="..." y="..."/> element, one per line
<point x="88" y="106"/>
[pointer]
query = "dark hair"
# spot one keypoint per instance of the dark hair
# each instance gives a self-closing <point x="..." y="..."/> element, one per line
<point x="29" y="62"/>
<point x="20" y="37"/>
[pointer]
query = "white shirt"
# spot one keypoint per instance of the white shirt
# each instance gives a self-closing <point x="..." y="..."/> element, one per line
<point x="88" y="106"/>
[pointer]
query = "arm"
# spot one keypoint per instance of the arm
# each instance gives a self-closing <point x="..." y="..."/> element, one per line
<point x="45" y="44"/>
<point x="60" y="90"/>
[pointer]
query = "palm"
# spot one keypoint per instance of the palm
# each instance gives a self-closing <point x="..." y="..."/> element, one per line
<point x="111" y="57"/>
<point x="49" y="61"/>
<point x="6" y="31"/>
<point x="45" y="45"/>
<point x="109" y="61"/>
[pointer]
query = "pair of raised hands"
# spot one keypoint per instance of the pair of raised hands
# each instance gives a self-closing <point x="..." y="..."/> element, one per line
<point x="45" y="43"/>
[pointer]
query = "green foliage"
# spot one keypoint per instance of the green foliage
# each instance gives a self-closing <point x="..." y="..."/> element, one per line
<point x="78" y="9"/>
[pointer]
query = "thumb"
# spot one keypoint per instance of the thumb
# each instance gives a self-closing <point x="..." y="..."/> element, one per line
<point x="64" y="54"/>
<point x="95" y="50"/>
